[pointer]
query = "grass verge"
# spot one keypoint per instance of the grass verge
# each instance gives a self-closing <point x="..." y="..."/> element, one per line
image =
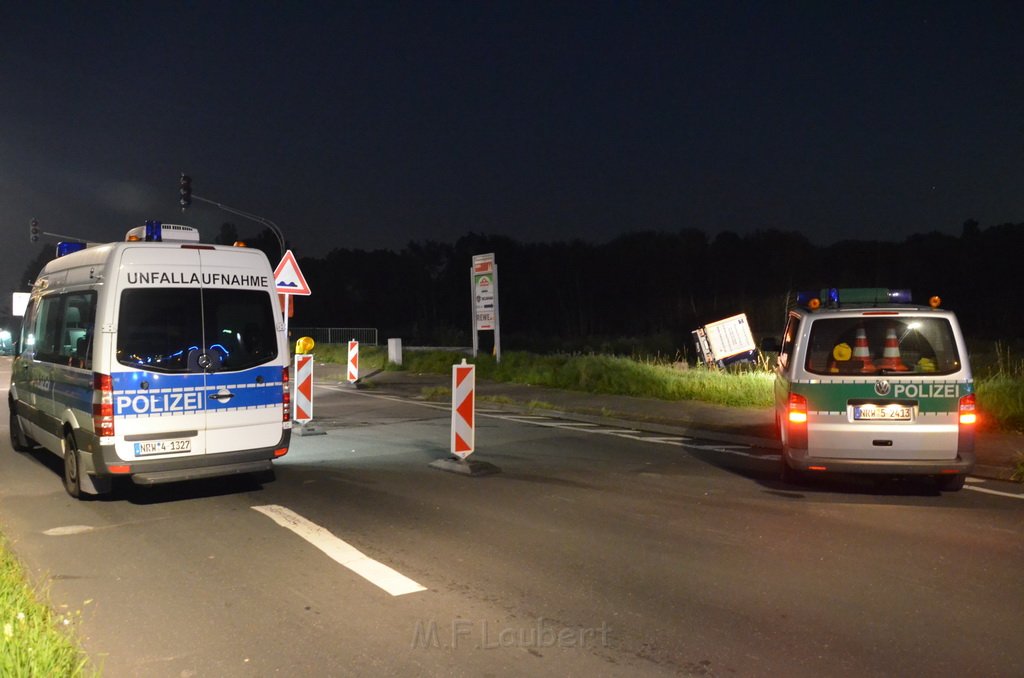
<point x="33" y="641"/>
<point x="609" y="374"/>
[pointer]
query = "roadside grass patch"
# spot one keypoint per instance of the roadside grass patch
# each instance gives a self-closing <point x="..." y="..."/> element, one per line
<point x="1018" y="470"/>
<point x="33" y="641"/>
<point x="1001" y="401"/>
<point x="436" y="393"/>
<point x="371" y="358"/>
<point x="611" y="375"/>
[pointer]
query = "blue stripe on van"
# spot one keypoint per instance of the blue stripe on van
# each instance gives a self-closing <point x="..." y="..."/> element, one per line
<point x="170" y="394"/>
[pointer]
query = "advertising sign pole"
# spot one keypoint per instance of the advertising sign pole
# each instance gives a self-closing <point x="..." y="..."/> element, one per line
<point x="484" y="282"/>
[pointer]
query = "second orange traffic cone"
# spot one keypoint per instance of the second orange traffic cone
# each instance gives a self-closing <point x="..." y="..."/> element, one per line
<point x="861" y="352"/>
<point x="891" y="355"/>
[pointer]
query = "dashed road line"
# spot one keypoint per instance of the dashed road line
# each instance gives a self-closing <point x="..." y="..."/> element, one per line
<point x="373" y="571"/>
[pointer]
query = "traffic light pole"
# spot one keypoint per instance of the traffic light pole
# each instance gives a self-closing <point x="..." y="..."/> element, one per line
<point x="248" y="215"/>
<point x="34" y="232"/>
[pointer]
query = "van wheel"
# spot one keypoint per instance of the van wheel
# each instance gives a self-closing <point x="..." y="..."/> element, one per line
<point x="952" y="483"/>
<point x="19" y="441"/>
<point x="72" y="469"/>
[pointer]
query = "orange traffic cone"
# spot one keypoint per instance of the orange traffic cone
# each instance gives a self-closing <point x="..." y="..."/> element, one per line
<point x="891" y="355"/>
<point x="861" y="352"/>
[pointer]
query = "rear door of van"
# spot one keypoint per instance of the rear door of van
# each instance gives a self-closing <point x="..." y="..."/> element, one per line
<point x="195" y="366"/>
<point x="244" y="379"/>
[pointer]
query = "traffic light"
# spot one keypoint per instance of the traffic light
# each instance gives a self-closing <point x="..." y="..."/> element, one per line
<point x="185" y="186"/>
<point x="33" y="231"/>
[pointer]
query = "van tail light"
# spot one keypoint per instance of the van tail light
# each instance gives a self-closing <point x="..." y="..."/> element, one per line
<point x="796" y="417"/>
<point x="968" y="411"/>
<point x="797" y="409"/>
<point x="102" y="404"/>
<point x="286" y="396"/>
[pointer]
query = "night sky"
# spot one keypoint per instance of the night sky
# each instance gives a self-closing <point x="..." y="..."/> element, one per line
<point x="367" y="125"/>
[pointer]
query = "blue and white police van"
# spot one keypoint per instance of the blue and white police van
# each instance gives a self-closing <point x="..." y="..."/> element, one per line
<point x="159" y="359"/>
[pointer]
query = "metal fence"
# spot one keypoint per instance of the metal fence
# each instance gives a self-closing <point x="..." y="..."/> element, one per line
<point x="336" y="335"/>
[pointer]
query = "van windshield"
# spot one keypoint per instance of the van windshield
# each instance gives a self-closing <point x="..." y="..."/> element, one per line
<point x="882" y="345"/>
<point x="166" y="329"/>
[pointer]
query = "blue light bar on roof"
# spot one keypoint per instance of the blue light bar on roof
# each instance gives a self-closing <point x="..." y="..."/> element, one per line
<point x="64" y="248"/>
<point x="153" y="232"/>
<point x="899" y="296"/>
<point x="836" y="296"/>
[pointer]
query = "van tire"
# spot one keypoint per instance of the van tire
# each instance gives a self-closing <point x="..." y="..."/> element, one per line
<point x="19" y="441"/>
<point x="72" y="468"/>
<point x="952" y="483"/>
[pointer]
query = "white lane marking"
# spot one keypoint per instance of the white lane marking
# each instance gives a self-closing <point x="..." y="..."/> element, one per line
<point x="573" y="424"/>
<point x="524" y="417"/>
<point x="995" y="492"/>
<point x="375" y="572"/>
<point x="68" y="529"/>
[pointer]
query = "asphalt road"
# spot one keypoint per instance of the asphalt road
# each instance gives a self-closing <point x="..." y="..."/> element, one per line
<point x="595" y="551"/>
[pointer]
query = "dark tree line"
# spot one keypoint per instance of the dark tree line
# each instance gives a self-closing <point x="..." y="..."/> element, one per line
<point x="650" y="289"/>
<point x="644" y="290"/>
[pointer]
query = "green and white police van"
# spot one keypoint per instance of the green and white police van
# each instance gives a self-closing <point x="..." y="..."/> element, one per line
<point x="868" y="382"/>
<point x="158" y="359"/>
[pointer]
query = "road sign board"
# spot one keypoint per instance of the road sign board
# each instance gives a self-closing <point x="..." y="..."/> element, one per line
<point x="288" y="278"/>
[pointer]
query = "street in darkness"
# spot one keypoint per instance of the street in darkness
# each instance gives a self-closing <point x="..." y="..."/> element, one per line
<point x="597" y="550"/>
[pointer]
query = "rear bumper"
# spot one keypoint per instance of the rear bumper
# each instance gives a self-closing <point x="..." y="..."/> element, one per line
<point x="155" y="471"/>
<point x="963" y="464"/>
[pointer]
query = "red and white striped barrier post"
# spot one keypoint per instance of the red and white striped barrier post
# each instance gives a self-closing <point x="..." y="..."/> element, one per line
<point x="463" y="410"/>
<point x="302" y="404"/>
<point x="353" y="362"/>
<point x="463" y="429"/>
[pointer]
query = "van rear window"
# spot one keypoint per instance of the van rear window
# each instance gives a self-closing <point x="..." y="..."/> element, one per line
<point x="166" y="329"/>
<point x="882" y="345"/>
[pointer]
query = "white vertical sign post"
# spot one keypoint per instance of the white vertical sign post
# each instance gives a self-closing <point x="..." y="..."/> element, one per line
<point x="484" y="294"/>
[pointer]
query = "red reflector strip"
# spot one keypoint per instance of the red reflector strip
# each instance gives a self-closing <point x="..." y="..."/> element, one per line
<point x="286" y="398"/>
<point x="280" y="452"/>
<point x="120" y="468"/>
<point x="949" y="471"/>
<point x="817" y="468"/>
